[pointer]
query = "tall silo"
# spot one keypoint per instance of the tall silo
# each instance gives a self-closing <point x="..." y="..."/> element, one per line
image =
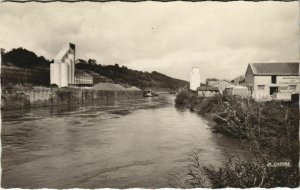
<point x="195" y="78"/>
<point x="64" y="80"/>
<point x="55" y="73"/>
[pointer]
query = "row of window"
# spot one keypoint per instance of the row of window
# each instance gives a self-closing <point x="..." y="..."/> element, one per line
<point x="291" y="87"/>
<point x="81" y="77"/>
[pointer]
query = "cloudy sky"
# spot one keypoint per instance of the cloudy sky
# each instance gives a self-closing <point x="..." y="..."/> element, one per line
<point x="220" y="38"/>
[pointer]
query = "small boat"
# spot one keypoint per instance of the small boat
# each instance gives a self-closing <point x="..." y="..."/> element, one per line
<point x="149" y="93"/>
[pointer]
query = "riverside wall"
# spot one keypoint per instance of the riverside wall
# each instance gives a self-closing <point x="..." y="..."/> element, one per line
<point x="53" y="97"/>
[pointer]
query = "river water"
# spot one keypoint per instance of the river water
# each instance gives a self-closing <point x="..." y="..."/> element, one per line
<point x="117" y="144"/>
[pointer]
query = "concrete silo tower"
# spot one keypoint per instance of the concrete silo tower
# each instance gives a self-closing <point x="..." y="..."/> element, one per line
<point x="195" y="78"/>
<point x="62" y="71"/>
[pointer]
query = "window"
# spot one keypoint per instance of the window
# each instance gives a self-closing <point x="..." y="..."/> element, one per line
<point x="261" y="87"/>
<point x="274" y="79"/>
<point x="293" y="87"/>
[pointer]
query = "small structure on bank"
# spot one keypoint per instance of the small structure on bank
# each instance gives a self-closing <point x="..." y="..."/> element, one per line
<point x="220" y="84"/>
<point x="236" y="90"/>
<point x="208" y="91"/>
<point x="195" y="78"/>
<point x="268" y="81"/>
<point x="62" y="71"/>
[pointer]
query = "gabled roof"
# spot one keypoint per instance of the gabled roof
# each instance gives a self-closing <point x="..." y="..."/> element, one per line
<point x="216" y="83"/>
<point x="208" y="88"/>
<point x="64" y="51"/>
<point x="291" y="68"/>
<point x="240" y="78"/>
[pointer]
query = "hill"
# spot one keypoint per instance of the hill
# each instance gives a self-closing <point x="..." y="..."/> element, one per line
<point x="124" y="75"/>
<point x="24" y="58"/>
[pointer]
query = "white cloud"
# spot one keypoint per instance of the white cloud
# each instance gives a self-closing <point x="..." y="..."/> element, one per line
<point x="220" y="38"/>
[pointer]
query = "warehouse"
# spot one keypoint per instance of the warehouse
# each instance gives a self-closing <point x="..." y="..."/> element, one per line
<point x="267" y="81"/>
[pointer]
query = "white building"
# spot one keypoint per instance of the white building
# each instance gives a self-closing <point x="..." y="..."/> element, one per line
<point x="83" y="79"/>
<point x="195" y="78"/>
<point x="62" y="71"/>
<point x="273" y="80"/>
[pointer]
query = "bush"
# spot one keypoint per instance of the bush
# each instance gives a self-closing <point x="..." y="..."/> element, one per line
<point x="240" y="174"/>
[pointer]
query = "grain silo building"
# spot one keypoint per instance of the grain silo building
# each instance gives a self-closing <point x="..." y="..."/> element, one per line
<point x="62" y="71"/>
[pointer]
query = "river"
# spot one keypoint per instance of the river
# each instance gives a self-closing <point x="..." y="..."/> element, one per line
<point x="117" y="144"/>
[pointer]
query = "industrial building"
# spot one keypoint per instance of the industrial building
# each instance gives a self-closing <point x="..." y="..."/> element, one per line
<point x="82" y="78"/>
<point x="195" y="78"/>
<point x="62" y="71"/>
<point x="273" y="80"/>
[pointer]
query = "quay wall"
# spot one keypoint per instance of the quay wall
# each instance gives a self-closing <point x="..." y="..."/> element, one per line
<point x="53" y="97"/>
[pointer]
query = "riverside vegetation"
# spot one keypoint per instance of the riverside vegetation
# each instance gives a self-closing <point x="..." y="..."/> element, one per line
<point x="270" y="129"/>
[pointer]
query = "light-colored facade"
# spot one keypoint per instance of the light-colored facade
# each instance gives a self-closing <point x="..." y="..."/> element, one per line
<point x="273" y="80"/>
<point x="195" y="78"/>
<point x="207" y="91"/>
<point x="83" y="79"/>
<point x="220" y="84"/>
<point x="62" y="71"/>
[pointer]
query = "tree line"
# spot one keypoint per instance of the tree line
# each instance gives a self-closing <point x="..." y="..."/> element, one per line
<point x="22" y="57"/>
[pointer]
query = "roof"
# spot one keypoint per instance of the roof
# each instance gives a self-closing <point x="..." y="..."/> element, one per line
<point x="216" y="83"/>
<point x="82" y="73"/>
<point x="240" y="78"/>
<point x="108" y="86"/>
<point x="291" y="68"/>
<point x="208" y="88"/>
<point x="64" y="51"/>
<point x="241" y="87"/>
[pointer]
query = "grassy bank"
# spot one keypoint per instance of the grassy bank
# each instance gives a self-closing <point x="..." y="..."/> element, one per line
<point x="271" y="129"/>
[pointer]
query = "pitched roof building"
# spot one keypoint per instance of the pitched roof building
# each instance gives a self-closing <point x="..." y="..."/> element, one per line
<point x="273" y="80"/>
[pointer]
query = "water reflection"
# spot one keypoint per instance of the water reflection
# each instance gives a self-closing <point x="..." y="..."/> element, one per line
<point x="116" y="144"/>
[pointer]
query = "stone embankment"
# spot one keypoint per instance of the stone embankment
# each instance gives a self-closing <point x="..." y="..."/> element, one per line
<point x="41" y="97"/>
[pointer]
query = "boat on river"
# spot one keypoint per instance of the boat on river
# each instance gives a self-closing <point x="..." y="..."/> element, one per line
<point x="149" y="93"/>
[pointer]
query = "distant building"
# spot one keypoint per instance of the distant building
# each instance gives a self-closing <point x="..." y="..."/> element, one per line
<point x="195" y="78"/>
<point x="236" y="90"/>
<point x="62" y="71"/>
<point x="210" y="80"/>
<point x="205" y="91"/>
<point x="240" y="80"/>
<point x="97" y="78"/>
<point x="83" y="79"/>
<point x="273" y="80"/>
<point x="220" y="84"/>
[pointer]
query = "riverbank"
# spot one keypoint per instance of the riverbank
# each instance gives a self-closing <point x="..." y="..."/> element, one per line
<point x="269" y="128"/>
<point x="43" y="97"/>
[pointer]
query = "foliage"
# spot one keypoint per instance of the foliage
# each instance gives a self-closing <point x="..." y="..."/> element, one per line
<point x="240" y="174"/>
<point x="124" y="75"/>
<point x="23" y="58"/>
<point x="271" y="130"/>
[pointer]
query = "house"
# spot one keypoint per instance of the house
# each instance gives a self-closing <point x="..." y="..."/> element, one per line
<point x="82" y="78"/>
<point x="220" y="84"/>
<point x="272" y="80"/>
<point x="239" y="81"/>
<point x="208" y="91"/>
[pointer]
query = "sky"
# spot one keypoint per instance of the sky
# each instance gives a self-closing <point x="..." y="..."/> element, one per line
<point x="219" y="38"/>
